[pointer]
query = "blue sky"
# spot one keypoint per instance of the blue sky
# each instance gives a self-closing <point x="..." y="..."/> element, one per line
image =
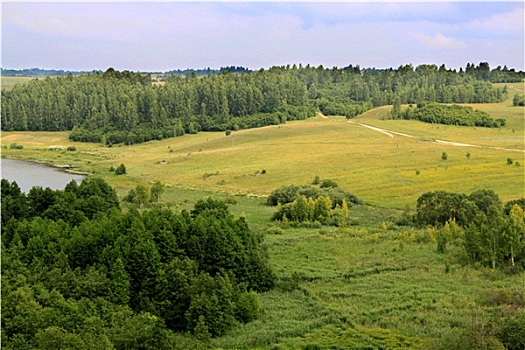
<point x="160" y="36"/>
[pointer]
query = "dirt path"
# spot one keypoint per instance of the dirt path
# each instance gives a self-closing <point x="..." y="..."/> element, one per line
<point x="392" y="134"/>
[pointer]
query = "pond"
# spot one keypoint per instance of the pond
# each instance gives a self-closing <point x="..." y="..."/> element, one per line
<point x="29" y="174"/>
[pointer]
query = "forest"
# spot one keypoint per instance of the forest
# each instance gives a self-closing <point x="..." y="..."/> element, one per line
<point x="124" y="107"/>
<point x="80" y="273"/>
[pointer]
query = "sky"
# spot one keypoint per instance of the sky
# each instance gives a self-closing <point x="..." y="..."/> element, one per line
<point x="162" y="36"/>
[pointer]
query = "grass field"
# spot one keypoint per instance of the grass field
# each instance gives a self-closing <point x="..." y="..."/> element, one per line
<point x="8" y="82"/>
<point x="372" y="285"/>
<point x="368" y="288"/>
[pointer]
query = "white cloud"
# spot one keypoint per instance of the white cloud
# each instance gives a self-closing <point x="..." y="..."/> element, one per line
<point x="440" y="41"/>
<point x="508" y="22"/>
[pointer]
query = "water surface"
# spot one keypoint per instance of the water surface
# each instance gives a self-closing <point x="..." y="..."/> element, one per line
<point x="29" y="174"/>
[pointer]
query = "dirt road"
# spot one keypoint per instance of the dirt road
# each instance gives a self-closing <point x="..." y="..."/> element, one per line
<point x="392" y="134"/>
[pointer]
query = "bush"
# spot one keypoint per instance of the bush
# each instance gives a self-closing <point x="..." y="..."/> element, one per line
<point x="16" y="146"/>
<point x="444" y="156"/>
<point x="512" y="331"/>
<point x="71" y="148"/>
<point x="248" y="307"/>
<point x="121" y="170"/>
<point x="509" y="161"/>
<point x="518" y="100"/>
<point x="328" y="184"/>
<point x="274" y="230"/>
<point x="287" y="194"/>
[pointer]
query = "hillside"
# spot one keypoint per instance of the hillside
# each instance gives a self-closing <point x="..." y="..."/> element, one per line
<point x="378" y="168"/>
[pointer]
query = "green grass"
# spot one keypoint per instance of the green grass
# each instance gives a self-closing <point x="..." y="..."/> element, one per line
<point x="381" y="287"/>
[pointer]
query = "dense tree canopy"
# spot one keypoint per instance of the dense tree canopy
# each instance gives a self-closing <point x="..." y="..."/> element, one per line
<point x="490" y="233"/>
<point x="447" y="114"/>
<point x="124" y="107"/>
<point x="79" y="272"/>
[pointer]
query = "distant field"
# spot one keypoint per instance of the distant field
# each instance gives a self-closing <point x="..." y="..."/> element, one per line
<point x="8" y="82"/>
<point x="379" y="169"/>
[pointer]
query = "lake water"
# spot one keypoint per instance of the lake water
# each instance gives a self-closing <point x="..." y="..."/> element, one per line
<point x="29" y="174"/>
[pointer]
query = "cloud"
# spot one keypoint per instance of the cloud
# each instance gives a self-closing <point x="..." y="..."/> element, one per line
<point x="440" y="41"/>
<point x="504" y="22"/>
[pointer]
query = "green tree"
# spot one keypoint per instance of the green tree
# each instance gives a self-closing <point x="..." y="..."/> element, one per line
<point x="156" y="190"/>
<point x="395" y="113"/>
<point x="344" y="209"/>
<point x="514" y="233"/>
<point x="121" y="170"/>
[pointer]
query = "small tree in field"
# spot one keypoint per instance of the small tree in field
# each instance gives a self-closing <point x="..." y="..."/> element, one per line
<point x="444" y="156"/>
<point x="156" y="190"/>
<point x="344" y="210"/>
<point x="121" y="170"/>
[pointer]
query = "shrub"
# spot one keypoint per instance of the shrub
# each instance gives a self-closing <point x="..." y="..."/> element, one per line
<point x="509" y="161"/>
<point x="518" y="100"/>
<point x="328" y="184"/>
<point x="512" y="332"/>
<point x="16" y="146"/>
<point x="444" y="156"/>
<point x="248" y="307"/>
<point x="71" y="148"/>
<point x="274" y="230"/>
<point x="121" y="170"/>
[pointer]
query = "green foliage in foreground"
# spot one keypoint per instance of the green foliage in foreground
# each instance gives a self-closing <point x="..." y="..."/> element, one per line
<point x="108" y="279"/>
<point x="448" y="114"/>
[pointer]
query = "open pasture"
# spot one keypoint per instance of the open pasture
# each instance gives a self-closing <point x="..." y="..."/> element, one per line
<point x="8" y="82"/>
<point x="380" y="169"/>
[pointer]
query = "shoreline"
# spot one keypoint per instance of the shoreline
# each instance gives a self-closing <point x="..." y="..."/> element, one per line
<point x="63" y="167"/>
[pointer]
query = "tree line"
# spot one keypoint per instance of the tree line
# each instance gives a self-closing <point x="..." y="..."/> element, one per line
<point x="124" y="107"/>
<point x="80" y="273"/>
<point x="445" y="114"/>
